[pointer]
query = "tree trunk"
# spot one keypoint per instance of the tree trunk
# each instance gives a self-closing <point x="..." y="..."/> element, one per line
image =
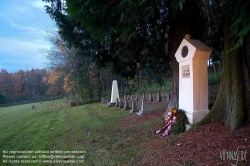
<point x="246" y="65"/>
<point x="177" y="33"/>
<point x="231" y="99"/>
<point x="186" y="21"/>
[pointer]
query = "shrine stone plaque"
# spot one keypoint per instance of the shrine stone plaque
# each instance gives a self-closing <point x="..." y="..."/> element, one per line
<point x="186" y="71"/>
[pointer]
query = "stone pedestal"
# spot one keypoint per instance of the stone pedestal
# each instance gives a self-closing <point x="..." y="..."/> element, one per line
<point x="192" y="56"/>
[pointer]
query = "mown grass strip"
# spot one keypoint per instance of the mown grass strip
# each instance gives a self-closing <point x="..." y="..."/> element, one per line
<point x="94" y="128"/>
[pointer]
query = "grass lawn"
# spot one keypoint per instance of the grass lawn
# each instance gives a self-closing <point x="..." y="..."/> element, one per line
<point x="111" y="136"/>
<point x="102" y="132"/>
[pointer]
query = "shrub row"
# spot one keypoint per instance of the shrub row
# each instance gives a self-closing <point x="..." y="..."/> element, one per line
<point x="78" y="102"/>
<point x="31" y="101"/>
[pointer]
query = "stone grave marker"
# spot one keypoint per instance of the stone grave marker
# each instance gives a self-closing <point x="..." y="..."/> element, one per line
<point x="150" y="97"/>
<point x="131" y="97"/>
<point x="134" y="108"/>
<point x="128" y="97"/>
<point x="126" y="105"/>
<point x="108" y="103"/>
<point x="159" y="97"/>
<point x="136" y="97"/>
<point x="144" y="108"/>
<point x="117" y="102"/>
<point x="114" y="94"/>
<point x="121" y="104"/>
<point x="143" y="96"/>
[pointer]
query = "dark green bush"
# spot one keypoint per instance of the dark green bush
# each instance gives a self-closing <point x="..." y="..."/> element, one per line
<point x="180" y="125"/>
<point x="214" y="78"/>
<point x="72" y="104"/>
<point x="84" y="101"/>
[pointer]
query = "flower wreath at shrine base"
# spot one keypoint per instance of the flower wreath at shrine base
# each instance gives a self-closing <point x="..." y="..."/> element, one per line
<point x="175" y="122"/>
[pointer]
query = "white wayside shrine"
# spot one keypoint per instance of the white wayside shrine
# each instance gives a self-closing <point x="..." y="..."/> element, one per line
<point x="192" y="56"/>
<point x="114" y="94"/>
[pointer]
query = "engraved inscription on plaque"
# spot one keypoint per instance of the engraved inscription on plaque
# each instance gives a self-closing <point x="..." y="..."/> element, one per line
<point x="186" y="71"/>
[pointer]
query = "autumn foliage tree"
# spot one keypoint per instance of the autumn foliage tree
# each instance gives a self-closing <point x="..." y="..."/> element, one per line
<point x="23" y="85"/>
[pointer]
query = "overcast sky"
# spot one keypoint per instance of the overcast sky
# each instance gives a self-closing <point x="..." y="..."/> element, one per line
<point x="23" y="25"/>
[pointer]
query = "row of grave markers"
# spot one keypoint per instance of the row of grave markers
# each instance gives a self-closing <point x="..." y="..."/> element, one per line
<point x="130" y="97"/>
<point x="125" y="106"/>
<point x="117" y="102"/>
<point x="159" y="99"/>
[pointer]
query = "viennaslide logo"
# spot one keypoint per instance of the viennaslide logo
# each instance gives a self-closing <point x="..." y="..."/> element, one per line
<point x="233" y="157"/>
